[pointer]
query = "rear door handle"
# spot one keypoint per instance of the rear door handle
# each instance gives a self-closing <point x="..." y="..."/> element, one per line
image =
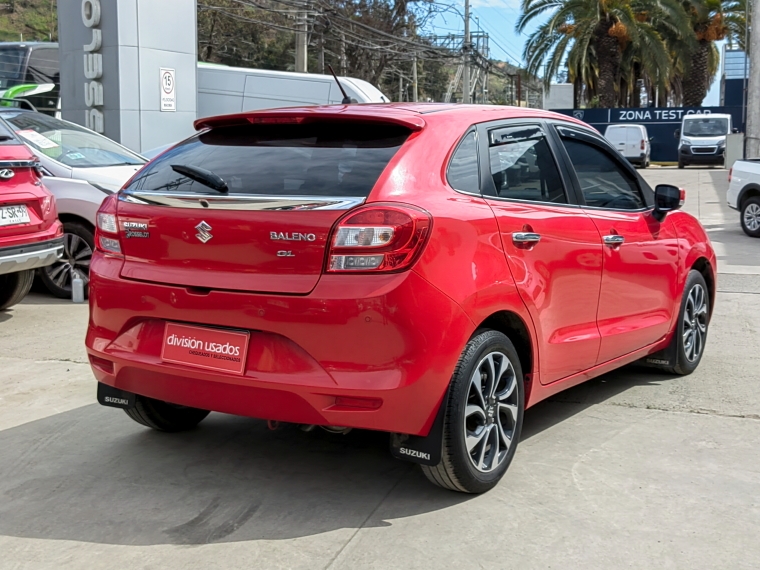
<point x="613" y="239"/>
<point x="526" y="237"/>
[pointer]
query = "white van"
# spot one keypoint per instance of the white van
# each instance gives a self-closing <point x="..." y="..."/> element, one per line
<point x="223" y="89"/>
<point x="703" y="139"/>
<point x="632" y="141"/>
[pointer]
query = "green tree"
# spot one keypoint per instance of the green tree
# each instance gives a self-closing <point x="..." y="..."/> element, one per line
<point x="706" y="18"/>
<point x="36" y="20"/>
<point x="605" y="44"/>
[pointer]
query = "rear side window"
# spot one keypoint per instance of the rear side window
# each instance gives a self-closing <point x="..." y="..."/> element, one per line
<point x="463" y="172"/>
<point x="314" y="159"/>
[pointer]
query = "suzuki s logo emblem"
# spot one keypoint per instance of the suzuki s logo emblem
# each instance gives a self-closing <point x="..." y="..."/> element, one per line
<point x="203" y="232"/>
<point x="6" y="173"/>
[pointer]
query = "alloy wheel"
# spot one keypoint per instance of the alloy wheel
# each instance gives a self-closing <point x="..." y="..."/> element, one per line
<point x="695" y="323"/>
<point x="752" y="217"/>
<point x="491" y="411"/>
<point x="77" y="255"/>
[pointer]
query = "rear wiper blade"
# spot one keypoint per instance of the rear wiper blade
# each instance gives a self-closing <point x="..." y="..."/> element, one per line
<point x="205" y="177"/>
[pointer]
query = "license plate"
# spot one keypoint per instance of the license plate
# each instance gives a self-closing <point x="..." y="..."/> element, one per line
<point x="11" y="215"/>
<point x="200" y="347"/>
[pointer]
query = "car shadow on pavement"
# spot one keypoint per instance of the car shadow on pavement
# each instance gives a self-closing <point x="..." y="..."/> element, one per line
<point x="568" y="403"/>
<point x="92" y="475"/>
<point x="43" y="298"/>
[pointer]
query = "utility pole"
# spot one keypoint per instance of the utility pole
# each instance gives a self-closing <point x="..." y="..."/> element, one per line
<point x="322" y="54"/>
<point x="343" y="54"/>
<point x="752" y="137"/>
<point x="302" y="38"/>
<point x="466" y="54"/>
<point x="414" y="78"/>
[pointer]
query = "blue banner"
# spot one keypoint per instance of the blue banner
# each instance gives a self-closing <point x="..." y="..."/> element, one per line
<point x="661" y="123"/>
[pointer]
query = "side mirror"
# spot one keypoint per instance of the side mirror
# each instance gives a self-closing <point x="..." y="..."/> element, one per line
<point x="651" y="139"/>
<point x="677" y="134"/>
<point x="666" y="199"/>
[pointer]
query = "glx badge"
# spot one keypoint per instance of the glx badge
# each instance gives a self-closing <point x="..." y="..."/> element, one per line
<point x="203" y="232"/>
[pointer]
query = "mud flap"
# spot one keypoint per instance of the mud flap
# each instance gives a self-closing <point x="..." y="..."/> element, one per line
<point x="115" y="398"/>
<point x="425" y="450"/>
<point x="665" y="357"/>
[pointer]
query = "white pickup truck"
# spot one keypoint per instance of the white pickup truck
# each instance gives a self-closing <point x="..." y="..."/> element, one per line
<point x="744" y="194"/>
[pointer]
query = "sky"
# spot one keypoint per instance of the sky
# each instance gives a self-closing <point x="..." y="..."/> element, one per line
<point x="498" y="18"/>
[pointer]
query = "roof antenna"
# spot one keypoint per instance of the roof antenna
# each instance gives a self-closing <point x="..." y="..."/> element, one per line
<point x="346" y="98"/>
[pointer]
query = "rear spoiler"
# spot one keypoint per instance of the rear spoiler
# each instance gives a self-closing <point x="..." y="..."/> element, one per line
<point x="301" y="115"/>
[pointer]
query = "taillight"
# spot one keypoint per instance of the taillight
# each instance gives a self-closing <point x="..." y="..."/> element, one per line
<point x="47" y="205"/>
<point x="107" y="231"/>
<point x="378" y="238"/>
<point x="730" y="174"/>
<point x="642" y="144"/>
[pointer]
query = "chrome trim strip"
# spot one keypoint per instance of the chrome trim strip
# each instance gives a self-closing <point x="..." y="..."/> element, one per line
<point x="30" y="260"/>
<point x="19" y="163"/>
<point x="240" y="201"/>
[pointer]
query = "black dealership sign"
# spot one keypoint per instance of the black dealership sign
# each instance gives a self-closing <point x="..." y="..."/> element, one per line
<point x="661" y="123"/>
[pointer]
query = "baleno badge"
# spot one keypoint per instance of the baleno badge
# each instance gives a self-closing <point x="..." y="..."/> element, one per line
<point x="203" y="232"/>
<point x="284" y="236"/>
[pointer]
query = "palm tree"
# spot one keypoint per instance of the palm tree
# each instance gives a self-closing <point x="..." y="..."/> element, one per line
<point x="734" y="15"/>
<point x="707" y="21"/>
<point x="601" y="41"/>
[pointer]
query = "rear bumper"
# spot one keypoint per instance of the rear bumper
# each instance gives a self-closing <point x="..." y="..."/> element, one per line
<point x="31" y="256"/>
<point x="391" y="348"/>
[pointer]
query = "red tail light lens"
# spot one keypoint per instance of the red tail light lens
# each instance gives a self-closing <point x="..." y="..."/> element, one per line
<point x="107" y="230"/>
<point x="730" y="174"/>
<point x="380" y="238"/>
<point x="47" y="205"/>
<point x="642" y="144"/>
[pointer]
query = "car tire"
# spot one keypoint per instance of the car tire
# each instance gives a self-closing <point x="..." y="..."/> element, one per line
<point x="750" y="216"/>
<point x="79" y="243"/>
<point x="690" y="334"/>
<point x="14" y="287"/>
<point x="163" y="416"/>
<point x="681" y="164"/>
<point x="483" y="416"/>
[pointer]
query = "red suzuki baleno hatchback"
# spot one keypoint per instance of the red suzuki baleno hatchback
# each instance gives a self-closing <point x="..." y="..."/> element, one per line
<point x="425" y="270"/>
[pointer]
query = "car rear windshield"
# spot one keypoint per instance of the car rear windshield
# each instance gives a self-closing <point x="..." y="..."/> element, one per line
<point x="312" y="159"/>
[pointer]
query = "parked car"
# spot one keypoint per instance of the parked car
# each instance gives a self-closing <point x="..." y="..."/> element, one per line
<point x="30" y="234"/>
<point x="373" y="267"/>
<point x="703" y="139"/>
<point x="632" y="142"/>
<point x="744" y="194"/>
<point x="92" y="165"/>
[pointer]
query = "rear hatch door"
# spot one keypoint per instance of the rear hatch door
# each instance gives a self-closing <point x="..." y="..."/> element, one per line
<point x="21" y="194"/>
<point x="279" y="188"/>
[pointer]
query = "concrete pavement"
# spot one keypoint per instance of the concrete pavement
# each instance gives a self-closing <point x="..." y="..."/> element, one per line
<point x="631" y="470"/>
